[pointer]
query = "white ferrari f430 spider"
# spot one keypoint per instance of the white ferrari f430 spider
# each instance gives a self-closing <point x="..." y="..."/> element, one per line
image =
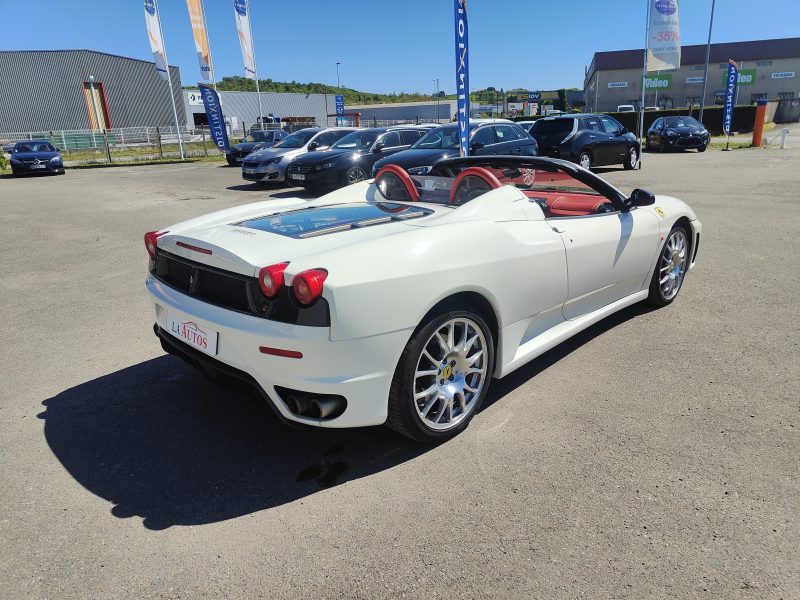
<point x="398" y="300"/>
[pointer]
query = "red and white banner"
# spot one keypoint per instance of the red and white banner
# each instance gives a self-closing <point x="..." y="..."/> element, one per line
<point x="664" y="43"/>
<point x="198" y="19"/>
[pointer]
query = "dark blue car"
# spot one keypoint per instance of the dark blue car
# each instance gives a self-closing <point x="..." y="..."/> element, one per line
<point x="35" y="156"/>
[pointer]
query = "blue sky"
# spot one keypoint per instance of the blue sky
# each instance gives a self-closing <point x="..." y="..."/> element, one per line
<point x="387" y="46"/>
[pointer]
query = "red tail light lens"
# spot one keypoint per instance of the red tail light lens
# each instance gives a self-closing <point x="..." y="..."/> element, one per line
<point x="151" y="242"/>
<point x="307" y="285"/>
<point x="270" y="279"/>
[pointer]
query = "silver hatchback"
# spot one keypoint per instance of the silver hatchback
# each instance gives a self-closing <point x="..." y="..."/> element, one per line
<point x="270" y="164"/>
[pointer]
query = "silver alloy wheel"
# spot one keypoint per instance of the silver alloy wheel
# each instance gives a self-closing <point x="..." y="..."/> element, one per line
<point x="450" y="374"/>
<point x="672" y="266"/>
<point x="634" y="156"/>
<point x="585" y="161"/>
<point x="355" y="175"/>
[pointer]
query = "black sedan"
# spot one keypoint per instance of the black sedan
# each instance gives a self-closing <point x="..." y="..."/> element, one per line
<point x="487" y="136"/>
<point x="35" y="156"/>
<point x="668" y="133"/>
<point x="255" y="141"/>
<point x="350" y="160"/>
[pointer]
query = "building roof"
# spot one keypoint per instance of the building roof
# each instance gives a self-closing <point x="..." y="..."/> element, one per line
<point x="76" y="50"/>
<point x="696" y="54"/>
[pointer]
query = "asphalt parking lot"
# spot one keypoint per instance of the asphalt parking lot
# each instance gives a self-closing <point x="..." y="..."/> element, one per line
<point x="656" y="455"/>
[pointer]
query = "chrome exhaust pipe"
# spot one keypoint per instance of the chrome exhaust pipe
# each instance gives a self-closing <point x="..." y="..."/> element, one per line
<point x="324" y="407"/>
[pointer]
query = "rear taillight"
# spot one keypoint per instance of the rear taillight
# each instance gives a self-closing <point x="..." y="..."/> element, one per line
<point x="151" y="242"/>
<point x="307" y="285"/>
<point x="270" y="279"/>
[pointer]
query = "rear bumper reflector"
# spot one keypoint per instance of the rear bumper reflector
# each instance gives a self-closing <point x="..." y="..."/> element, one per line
<point x="280" y="352"/>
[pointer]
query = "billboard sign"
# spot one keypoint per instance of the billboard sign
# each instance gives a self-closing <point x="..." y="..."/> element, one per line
<point x="534" y="96"/>
<point x="617" y="84"/>
<point x="746" y="77"/>
<point x="783" y="75"/>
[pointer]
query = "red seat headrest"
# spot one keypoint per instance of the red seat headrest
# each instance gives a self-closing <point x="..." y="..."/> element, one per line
<point x="393" y="182"/>
<point x="471" y="183"/>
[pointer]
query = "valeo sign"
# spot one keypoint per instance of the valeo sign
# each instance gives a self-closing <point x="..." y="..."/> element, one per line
<point x="746" y="77"/>
<point x="658" y="82"/>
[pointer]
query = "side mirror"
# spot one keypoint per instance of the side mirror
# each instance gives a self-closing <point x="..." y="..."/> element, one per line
<point x="476" y="146"/>
<point x="622" y="131"/>
<point x="378" y="147"/>
<point x="640" y="197"/>
<point x="313" y="146"/>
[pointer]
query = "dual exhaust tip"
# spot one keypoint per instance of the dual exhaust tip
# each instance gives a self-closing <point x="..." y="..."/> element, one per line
<point x="315" y="407"/>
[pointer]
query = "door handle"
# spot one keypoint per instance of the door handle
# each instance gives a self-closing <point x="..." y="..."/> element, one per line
<point x="592" y="136"/>
<point x="557" y="229"/>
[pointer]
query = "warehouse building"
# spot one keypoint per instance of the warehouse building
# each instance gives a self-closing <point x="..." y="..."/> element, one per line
<point x="769" y="70"/>
<point x="428" y="111"/>
<point x="42" y="90"/>
<point x="241" y="108"/>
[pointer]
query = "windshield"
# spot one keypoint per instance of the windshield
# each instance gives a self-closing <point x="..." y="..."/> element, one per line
<point x="681" y="122"/>
<point x="296" y="140"/>
<point x="545" y="126"/>
<point x="34" y="147"/>
<point x="358" y="140"/>
<point x="259" y="136"/>
<point x="439" y="138"/>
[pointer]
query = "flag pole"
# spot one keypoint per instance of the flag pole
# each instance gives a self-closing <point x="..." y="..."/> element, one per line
<point x="644" y="78"/>
<point x="169" y="83"/>
<point x="708" y="56"/>
<point x="255" y="66"/>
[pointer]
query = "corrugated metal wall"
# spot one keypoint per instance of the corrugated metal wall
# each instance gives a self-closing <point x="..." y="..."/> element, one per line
<point x="43" y="90"/>
<point x="408" y="112"/>
<point x="244" y="106"/>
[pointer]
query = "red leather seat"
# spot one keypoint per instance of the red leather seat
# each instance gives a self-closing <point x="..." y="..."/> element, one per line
<point x="569" y="205"/>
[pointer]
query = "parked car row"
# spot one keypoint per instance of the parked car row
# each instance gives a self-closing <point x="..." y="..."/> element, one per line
<point x="338" y="156"/>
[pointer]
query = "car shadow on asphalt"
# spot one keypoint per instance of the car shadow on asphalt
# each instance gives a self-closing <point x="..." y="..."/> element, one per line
<point x="160" y="442"/>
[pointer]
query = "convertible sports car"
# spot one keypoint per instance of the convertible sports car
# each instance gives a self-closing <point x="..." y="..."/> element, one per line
<point x="398" y="300"/>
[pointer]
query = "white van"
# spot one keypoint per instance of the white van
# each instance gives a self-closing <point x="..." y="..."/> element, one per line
<point x="626" y="108"/>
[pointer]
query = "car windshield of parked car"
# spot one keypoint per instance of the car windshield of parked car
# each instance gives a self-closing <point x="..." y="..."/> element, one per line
<point x="259" y="136"/>
<point x="358" y="140"/>
<point x="546" y="126"/>
<point x="34" y="147"/>
<point x="682" y="122"/>
<point x="436" y="139"/>
<point x="296" y="140"/>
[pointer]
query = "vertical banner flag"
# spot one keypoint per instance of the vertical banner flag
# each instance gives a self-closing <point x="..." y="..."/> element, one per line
<point x="731" y="81"/>
<point x="154" y="34"/>
<point x="216" y="121"/>
<point x="462" y="75"/>
<point x="664" y="47"/>
<point x="339" y="105"/>
<point x="242" y="11"/>
<point x="198" y="18"/>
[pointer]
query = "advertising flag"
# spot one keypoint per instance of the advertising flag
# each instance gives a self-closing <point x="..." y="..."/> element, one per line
<point x="216" y="121"/>
<point x="156" y="39"/>
<point x="731" y="81"/>
<point x="241" y="9"/>
<point x="198" y="19"/>
<point x="664" y="45"/>
<point x="462" y="74"/>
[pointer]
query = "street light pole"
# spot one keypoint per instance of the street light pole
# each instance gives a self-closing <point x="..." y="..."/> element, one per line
<point x="708" y="55"/>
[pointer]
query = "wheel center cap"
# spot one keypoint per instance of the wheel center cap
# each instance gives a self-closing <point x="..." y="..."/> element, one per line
<point x="448" y="370"/>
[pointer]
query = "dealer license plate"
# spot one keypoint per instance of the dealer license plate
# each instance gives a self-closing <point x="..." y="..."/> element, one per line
<point x="197" y="336"/>
<point x="250" y="171"/>
<point x="296" y="176"/>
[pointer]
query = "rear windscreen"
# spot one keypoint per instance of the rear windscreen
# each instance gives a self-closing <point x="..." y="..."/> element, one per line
<point x="546" y="126"/>
<point x="318" y="220"/>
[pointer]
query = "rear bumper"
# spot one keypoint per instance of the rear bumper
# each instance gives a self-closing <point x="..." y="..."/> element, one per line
<point x="360" y="370"/>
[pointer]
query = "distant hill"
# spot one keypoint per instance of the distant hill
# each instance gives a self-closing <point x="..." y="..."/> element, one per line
<point x="351" y="96"/>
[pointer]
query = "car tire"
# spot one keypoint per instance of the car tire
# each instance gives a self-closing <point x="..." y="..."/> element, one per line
<point x="355" y="174"/>
<point x="454" y="394"/>
<point x="702" y="148"/>
<point x="585" y="159"/>
<point x="669" y="273"/>
<point x="631" y="160"/>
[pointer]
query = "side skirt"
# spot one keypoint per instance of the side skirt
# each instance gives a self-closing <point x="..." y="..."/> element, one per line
<point x="563" y="331"/>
